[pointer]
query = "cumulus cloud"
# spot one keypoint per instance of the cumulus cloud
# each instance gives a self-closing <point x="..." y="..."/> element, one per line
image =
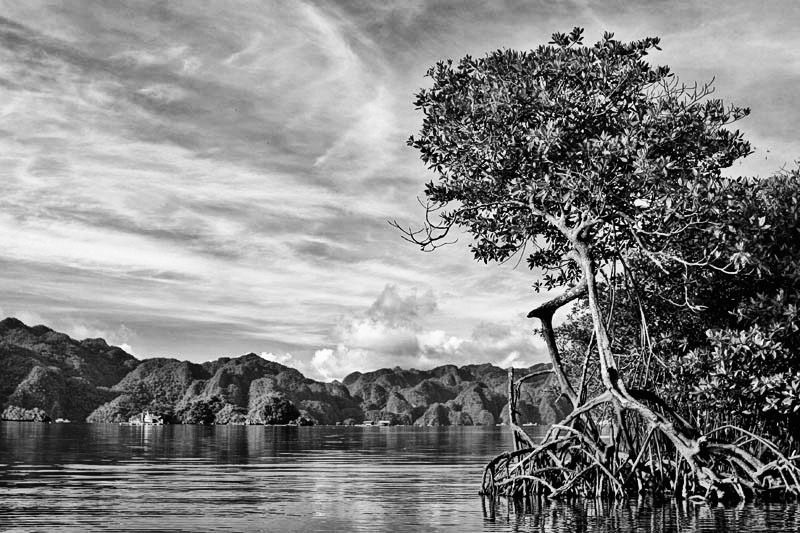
<point x="395" y="331"/>
<point x="284" y="359"/>
<point x="393" y="308"/>
<point x="116" y="337"/>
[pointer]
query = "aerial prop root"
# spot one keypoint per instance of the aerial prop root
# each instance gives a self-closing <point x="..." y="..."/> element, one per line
<point x="636" y="454"/>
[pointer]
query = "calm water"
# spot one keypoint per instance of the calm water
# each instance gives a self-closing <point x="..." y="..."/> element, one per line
<point x="78" y="477"/>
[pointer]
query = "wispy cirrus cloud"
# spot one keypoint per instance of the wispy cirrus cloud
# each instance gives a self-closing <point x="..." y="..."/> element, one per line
<point x="216" y="178"/>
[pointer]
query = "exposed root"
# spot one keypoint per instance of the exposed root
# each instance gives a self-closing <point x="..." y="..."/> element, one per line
<point x="638" y="455"/>
<point x="627" y="442"/>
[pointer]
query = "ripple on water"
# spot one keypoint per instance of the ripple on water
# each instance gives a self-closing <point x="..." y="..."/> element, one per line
<point x="184" y="478"/>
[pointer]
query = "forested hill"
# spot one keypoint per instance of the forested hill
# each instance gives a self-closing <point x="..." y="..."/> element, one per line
<point x="46" y="375"/>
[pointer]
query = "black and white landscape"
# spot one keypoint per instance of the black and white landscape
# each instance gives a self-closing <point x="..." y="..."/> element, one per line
<point x="352" y="265"/>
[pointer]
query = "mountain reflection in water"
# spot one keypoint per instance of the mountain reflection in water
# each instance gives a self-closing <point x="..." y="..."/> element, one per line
<point x="78" y="477"/>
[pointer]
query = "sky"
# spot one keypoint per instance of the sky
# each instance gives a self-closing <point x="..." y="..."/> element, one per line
<point x="207" y="179"/>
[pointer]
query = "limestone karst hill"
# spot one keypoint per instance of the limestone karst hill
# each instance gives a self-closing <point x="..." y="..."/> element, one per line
<point x="451" y="395"/>
<point x="47" y="375"/>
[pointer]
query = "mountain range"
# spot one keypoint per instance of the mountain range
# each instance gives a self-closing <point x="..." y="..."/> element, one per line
<point x="47" y="375"/>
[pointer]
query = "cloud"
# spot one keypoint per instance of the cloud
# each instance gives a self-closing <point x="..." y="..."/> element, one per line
<point x="394" y="309"/>
<point x="164" y="92"/>
<point x="247" y="54"/>
<point x="117" y="337"/>
<point x="394" y="331"/>
<point x="371" y="141"/>
<point x="284" y="359"/>
<point x="149" y="58"/>
<point x="127" y="348"/>
<point x="29" y="318"/>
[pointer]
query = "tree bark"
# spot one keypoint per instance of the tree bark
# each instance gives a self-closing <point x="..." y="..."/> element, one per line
<point x="545" y="314"/>
<point x="555" y="359"/>
<point x="521" y="439"/>
<point x="608" y="365"/>
<point x="512" y="406"/>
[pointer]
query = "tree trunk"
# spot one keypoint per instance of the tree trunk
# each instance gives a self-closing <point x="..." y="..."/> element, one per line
<point x="512" y="407"/>
<point x="520" y="437"/>
<point x="545" y="314"/>
<point x="608" y="365"/>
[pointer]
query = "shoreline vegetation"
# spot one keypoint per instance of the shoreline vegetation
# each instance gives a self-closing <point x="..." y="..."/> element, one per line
<point x="604" y="173"/>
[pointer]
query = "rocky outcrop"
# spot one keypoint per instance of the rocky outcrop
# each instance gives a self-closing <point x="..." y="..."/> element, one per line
<point x="435" y="415"/>
<point x="23" y="347"/>
<point x="59" y="395"/>
<point x="43" y="369"/>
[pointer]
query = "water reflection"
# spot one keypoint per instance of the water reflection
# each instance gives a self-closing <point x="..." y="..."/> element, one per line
<point x="194" y="478"/>
<point x="647" y="515"/>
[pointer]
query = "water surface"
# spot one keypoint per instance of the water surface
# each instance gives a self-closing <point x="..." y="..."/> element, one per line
<point x="78" y="477"/>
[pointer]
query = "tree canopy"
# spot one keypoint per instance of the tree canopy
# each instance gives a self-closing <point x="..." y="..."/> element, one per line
<point x="535" y="149"/>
